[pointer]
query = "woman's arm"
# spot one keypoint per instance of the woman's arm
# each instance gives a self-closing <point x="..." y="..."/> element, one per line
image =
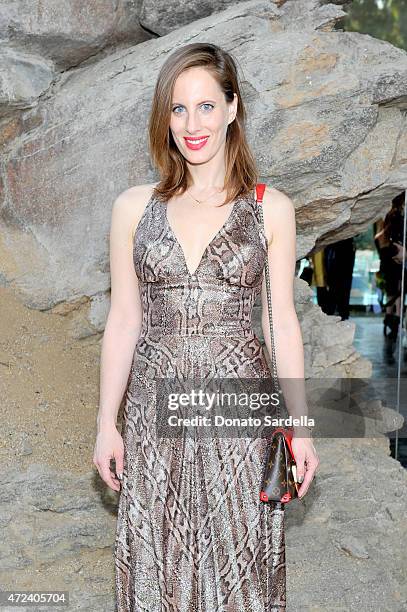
<point x="122" y="329"/>
<point x="279" y="223"/>
<point x="124" y="319"/>
<point x="280" y="229"/>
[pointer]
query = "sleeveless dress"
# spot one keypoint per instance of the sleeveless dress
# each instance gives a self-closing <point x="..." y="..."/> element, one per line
<point x="192" y="534"/>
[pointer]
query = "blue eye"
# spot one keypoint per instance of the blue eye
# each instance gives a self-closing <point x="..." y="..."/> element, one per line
<point x="206" y="104"/>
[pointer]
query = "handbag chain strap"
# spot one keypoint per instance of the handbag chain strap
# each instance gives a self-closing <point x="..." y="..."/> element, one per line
<point x="260" y="187"/>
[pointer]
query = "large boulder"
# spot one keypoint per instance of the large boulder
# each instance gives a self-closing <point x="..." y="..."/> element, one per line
<point x="326" y="124"/>
<point x="39" y="38"/>
<point x="164" y="17"/>
<point x="69" y="32"/>
<point x="23" y="79"/>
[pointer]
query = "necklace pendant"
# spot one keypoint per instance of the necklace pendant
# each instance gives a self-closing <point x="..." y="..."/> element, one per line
<point x="199" y="201"/>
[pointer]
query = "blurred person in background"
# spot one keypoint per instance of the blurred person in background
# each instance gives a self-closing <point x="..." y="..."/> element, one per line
<point x="339" y="259"/>
<point x="389" y="239"/>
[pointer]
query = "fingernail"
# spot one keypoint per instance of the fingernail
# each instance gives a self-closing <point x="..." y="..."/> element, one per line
<point x="120" y="476"/>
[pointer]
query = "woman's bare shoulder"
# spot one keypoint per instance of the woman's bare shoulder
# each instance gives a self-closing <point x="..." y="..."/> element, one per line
<point x="277" y="200"/>
<point x="278" y="211"/>
<point x="278" y="206"/>
<point x="129" y="205"/>
<point x="134" y="198"/>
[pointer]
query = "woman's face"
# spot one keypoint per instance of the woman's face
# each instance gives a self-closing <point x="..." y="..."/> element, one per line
<point x="199" y="110"/>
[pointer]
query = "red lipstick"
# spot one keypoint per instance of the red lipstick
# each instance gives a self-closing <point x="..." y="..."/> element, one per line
<point x="196" y="143"/>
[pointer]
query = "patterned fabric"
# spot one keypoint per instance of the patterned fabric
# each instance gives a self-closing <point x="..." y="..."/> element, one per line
<point x="192" y="534"/>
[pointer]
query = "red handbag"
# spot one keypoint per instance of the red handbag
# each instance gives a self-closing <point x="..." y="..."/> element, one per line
<point x="279" y="478"/>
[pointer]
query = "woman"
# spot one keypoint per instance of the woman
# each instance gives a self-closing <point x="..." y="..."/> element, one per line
<point x="386" y="240"/>
<point x="187" y="259"/>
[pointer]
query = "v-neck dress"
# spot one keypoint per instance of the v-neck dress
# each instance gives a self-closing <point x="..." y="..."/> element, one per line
<point x="192" y="533"/>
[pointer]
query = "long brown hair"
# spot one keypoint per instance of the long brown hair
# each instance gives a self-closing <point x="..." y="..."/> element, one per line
<point x="241" y="172"/>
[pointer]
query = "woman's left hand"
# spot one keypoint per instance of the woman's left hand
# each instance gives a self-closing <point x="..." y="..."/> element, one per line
<point x="306" y="459"/>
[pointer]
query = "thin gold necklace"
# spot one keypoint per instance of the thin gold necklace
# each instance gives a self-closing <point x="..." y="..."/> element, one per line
<point x="201" y="201"/>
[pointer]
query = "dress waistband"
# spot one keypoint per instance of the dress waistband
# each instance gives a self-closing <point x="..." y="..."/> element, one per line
<point x="225" y="331"/>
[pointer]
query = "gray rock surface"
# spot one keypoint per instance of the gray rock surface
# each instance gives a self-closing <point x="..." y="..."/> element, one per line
<point x="164" y="17"/>
<point x="325" y="122"/>
<point x="24" y="78"/>
<point x="345" y="539"/>
<point x="69" y="32"/>
<point x="59" y="528"/>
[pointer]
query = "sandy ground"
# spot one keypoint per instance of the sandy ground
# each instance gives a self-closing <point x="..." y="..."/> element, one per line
<point x="49" y="386"/>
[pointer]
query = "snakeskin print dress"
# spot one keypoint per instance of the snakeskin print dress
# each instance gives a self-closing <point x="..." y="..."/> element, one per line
<point x="192" y="534"/>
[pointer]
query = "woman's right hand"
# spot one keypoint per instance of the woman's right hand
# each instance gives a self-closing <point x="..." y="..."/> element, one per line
<point x="109" y="445"/>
